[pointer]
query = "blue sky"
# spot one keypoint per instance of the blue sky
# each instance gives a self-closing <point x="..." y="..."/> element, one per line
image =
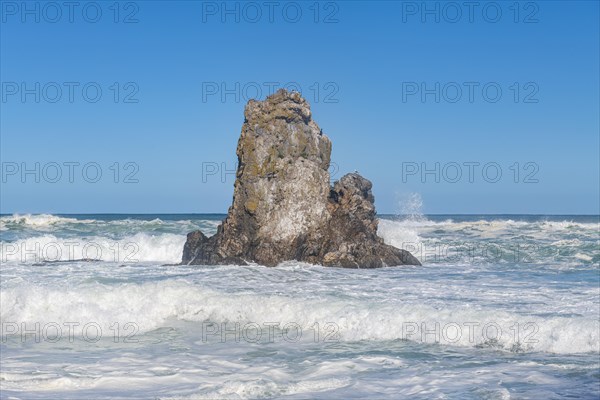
<point x="397" y="91"/>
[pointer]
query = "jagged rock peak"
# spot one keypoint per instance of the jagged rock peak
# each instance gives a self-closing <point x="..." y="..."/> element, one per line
<point x="283" y="206"/>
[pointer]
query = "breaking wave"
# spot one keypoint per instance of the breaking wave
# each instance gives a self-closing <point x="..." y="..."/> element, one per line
<point x="152" y="305"/>
<point x="141" y="247"/>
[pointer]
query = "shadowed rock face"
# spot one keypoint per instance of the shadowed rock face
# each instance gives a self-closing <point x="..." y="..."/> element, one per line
<point x="283" y="206"/>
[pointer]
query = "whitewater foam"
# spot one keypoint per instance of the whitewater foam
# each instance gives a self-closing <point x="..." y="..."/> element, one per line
<point x="39" y="221"/>
<point x="141" y="247"/>
<point x="151" y="305"/>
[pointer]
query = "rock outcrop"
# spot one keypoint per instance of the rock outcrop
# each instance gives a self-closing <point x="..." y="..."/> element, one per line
<point x="283" y="206"/>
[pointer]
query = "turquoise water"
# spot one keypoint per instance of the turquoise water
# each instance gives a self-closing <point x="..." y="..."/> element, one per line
<point x="92" y="306"/>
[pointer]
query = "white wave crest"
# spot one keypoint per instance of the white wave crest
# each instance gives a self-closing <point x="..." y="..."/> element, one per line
<point x="141" y="247"/>
<point x="153" y="305"/>
<point x="398" y="234"/>
<point x="38" y="220"/>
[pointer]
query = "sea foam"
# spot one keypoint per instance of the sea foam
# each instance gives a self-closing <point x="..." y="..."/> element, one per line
<point x="140" y="247"/>
<point x="152" y="305"/>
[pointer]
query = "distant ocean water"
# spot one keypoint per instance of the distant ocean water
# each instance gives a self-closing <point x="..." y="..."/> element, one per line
<point x="504" y="306"/>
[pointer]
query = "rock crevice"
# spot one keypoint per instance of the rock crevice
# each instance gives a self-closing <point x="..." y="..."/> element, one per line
<point x="283" y="205"/>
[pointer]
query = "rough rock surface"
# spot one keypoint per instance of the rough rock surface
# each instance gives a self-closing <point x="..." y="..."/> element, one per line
<point x="283" y="206"/>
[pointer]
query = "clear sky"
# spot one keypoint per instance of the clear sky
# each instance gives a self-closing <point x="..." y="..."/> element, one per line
<point x="461" y="91"/>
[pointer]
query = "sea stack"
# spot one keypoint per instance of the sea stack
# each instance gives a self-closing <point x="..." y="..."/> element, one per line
<point x="283" y="205"/>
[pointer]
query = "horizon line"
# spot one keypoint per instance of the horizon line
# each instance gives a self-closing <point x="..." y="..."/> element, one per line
<point x="225" y="213"/>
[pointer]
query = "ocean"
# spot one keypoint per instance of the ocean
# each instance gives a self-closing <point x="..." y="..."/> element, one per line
<point x="503" y="307"/>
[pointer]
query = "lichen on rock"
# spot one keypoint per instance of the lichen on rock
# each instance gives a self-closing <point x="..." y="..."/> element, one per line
<point x="283" y="205"/>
